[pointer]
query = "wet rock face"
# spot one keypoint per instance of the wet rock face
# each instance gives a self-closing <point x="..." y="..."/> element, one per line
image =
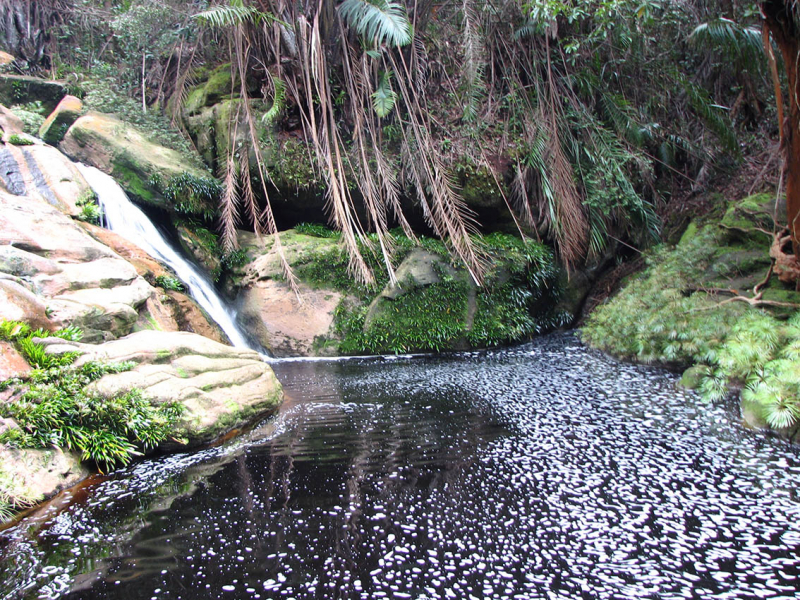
<point x="66" y="113"/>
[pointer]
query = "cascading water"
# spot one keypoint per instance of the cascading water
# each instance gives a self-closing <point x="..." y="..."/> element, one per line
<point x="123" y="217"/>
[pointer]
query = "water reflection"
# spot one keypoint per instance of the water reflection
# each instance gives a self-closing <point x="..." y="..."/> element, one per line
<point x="541" y="472"/>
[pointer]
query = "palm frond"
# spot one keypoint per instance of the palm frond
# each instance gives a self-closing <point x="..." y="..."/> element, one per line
<point x="379" y="20"/>
<point x="742" y="44"/>
<point x="236" y="13"/>
<point x="384" y="97"/>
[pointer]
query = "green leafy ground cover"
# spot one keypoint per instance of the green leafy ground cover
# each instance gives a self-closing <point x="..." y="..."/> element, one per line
<point x="675" y="313"/>
<point x="515" y="302"/>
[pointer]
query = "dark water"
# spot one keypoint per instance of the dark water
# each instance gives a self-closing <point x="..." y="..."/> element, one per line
<point x="546" y="471"/>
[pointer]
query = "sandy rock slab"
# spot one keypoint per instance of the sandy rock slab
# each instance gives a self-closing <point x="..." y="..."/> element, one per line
<point x="221" y="388"/>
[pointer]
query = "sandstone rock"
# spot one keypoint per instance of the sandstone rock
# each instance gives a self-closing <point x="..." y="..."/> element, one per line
<point x="270" y="310"/>
<point x="82" y="282"/>
<point x="17" y="303"/>
<point x="141" y="167"/>
<point x="21" y="89"/>
<point x="174" y="311"/>
<point x="12" y="363"/>
<point x="10" y="123"/>
<point x="42" y="171"/>
<point x="6" y="58"/>
<point x="190" y="317"/>
<point x="39" y="474"/>
<point x="274" y="315"/>
<point x="222" y="388"/>
<point x="195" y="243"/>
<point x="66" y="113"/>
<point x="141" y="261"/>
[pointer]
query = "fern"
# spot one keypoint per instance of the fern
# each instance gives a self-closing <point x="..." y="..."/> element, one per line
<point x="378" y="20"/>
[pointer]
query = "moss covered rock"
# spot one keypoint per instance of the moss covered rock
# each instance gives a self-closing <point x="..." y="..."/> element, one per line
<point x="434" y="306"/>
<point x="60" y="120"/>
<point x="21" y="89"/>
<point x="690" y="308"/>
<point x="221" y="388"/>
<point x="148" y="172"/>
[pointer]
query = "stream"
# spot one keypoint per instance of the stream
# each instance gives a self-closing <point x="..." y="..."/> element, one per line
<point x="542" y="471"/>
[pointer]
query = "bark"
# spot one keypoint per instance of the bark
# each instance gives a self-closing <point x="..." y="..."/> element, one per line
<point x="780" y="20"/>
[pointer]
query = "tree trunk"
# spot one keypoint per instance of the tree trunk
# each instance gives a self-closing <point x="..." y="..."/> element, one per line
<point x="780" y="20"/>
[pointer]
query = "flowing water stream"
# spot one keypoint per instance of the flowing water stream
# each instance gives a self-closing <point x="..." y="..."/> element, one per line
<point x="544" y="471"/>
<point x="125" y="218"/>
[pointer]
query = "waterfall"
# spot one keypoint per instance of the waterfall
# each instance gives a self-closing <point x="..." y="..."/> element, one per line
<point x="126" y="219"/>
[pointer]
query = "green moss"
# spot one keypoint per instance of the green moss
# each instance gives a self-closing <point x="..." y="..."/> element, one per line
<point x="690" y="232"/>
<point x="133" y="183"/>
<point x="663" y="315"/>
<point x="19" y="140"/>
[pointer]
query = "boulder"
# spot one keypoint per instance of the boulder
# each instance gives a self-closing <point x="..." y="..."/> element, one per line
<point x="268" y="307"/>
<point x="17" y="303"/>
<point x="143" y="168"/>
<point x="10" y="123"/>
<point x="21" y="89"/>
<point x="79" y="280"/>
<point x="285" y="324"/>
<point x="6" y="59"/>
<point x="61" y="119"/>
<point x="42" y="171"/>
<point x="35" y="475"/>
<point x="221" y="388"/>
<point x="12" y="363"/>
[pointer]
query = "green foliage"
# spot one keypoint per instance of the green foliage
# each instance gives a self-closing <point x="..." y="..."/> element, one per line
<point x="19" y="140"/>
<point x="658" y="317"/>
<point x="91" y="213"/>
<point x="236" y="13"/>
<point x="516" y="302"/>
<point x="429" y="319"/>
<point x="379" y="21"/>
<point x="32" y="119"/>
<point x="56" y="410"/>
<point x="21" y="335"/>
<point x="192" y="194"/>
<point x="234" y="259"/>
<point x="316" y="230"/>
<point x="384" y="97"/>
<point x="278" y="101"/>
<point x="169" y="283"/>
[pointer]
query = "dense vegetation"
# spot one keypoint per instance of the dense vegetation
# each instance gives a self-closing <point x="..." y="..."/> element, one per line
<point x="590" y="117"/>
<point x="685" y="309"/>
<point x="53" y="407"/>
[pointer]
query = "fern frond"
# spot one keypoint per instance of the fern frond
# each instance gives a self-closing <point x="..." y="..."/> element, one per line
<point x="278" y="101"/>
<point x="378" y="20"/>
